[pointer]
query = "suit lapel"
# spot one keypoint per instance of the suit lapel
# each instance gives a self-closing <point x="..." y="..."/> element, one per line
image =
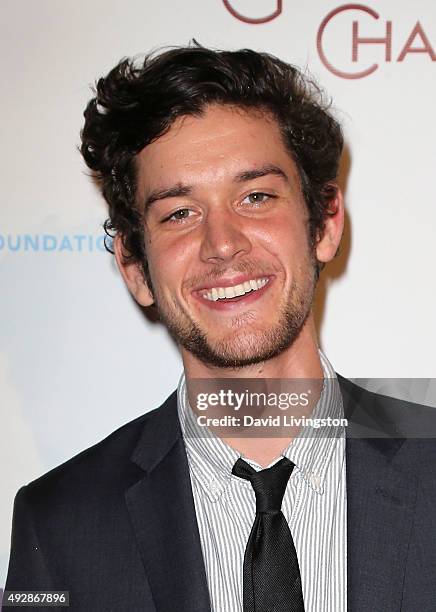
<point x="381" y="496"/>
<point x="162" y="511"/>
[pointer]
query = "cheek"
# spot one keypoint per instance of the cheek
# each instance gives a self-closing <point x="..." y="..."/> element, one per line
<point x="284" y="238"/>
<point x="169" y="261"/>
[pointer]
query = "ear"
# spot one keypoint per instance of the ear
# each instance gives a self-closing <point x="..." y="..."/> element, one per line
<point x="328" y="244"/>
<point x="132" y="274"/>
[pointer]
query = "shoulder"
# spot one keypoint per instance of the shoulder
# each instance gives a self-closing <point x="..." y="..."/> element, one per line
<point x="396" y="427"/>
<point x="103" y="469"/>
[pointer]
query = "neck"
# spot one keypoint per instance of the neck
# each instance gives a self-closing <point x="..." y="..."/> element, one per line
<point x="299" y="361"/>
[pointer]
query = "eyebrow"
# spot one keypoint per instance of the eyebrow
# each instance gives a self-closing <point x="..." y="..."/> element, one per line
<point x="180" y="190"/>
<point x="249" y="175"/>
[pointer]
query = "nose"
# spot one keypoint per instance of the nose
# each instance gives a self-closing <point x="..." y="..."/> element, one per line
<point x="224" y="237"/>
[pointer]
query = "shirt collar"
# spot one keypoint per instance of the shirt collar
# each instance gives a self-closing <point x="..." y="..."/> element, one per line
<point x="312" y="450"/>
<point x="211" y="460"/>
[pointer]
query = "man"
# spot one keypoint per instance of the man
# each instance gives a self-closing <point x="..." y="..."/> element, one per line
<point x="219" y="169"/>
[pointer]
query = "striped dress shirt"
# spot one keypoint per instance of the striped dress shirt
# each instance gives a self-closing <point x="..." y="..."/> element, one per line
<point x="314" y="506"/>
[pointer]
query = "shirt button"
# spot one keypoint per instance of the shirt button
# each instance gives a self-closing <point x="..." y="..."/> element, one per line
<point x="213" y="487"/>
<point x="315" y="480"/>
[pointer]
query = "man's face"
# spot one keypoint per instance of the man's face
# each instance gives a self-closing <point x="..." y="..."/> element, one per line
<point x="226" y="236"/>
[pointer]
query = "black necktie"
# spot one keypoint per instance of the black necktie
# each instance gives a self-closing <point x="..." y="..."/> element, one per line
<point x="272" y="581"/>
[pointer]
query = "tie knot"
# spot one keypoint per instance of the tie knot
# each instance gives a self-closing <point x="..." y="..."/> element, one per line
<point x="269" y="485"/>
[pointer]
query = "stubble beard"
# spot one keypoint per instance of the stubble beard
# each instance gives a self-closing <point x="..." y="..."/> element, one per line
<point x="248" y="347"/>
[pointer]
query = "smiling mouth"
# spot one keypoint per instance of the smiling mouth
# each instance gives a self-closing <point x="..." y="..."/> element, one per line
<point x="228" y="293"/>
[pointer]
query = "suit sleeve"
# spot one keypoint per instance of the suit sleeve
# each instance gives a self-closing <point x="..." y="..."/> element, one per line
<point x="27" y="568"/>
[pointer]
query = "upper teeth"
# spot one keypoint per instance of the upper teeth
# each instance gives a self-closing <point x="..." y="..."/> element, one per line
<point x="219" y="293"/>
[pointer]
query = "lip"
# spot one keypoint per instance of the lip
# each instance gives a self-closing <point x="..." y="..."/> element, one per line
<point x="237" y="302"/>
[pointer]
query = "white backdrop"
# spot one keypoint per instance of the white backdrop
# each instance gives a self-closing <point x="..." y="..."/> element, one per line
<point x="77" y="358"/>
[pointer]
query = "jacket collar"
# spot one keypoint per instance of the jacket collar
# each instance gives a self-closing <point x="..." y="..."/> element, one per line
<point x="162" y="512"/>
<point x="381" y="496"/>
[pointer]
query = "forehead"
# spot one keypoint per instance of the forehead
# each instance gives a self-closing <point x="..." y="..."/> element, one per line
<point x="213" y="147"/>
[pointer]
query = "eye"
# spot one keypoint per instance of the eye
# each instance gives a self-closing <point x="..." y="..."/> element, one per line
<point x="178" y="216"/>
<point x="256" y="198"/>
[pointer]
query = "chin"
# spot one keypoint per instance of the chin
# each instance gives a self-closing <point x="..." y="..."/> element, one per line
<point x="242" y="349"/>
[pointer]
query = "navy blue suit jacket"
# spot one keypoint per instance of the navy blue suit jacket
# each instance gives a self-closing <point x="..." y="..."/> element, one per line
<point x="116" y="525"/>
